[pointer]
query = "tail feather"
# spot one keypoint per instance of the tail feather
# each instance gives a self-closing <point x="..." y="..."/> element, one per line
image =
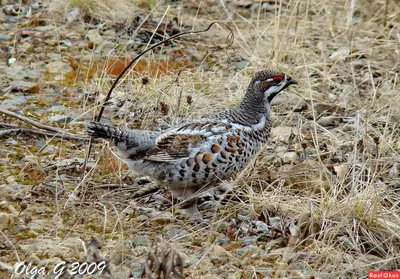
<point x="98" y="130"/>
<point x="132" y="144"/>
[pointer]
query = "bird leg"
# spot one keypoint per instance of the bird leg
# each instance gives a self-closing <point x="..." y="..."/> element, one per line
<point x="189" y="204"/>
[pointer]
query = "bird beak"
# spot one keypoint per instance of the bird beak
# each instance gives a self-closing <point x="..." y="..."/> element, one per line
<point x="291" y="81"/>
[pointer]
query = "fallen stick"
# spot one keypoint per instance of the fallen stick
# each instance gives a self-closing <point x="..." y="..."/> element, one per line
<point x="53" y="131"/>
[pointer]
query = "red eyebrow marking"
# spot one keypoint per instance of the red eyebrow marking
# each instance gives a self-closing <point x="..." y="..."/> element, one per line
<point x="280" y="78"/>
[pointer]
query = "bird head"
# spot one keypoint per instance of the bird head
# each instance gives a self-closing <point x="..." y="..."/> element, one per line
<point x="270" y="83"/>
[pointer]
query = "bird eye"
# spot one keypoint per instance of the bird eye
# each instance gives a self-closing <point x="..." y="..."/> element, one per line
<point x="277" y="79"/>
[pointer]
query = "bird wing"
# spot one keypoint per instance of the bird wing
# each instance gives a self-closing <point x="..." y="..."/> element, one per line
<point x="186" y="140"/>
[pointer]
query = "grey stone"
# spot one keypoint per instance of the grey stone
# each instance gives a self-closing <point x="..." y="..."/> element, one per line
<point x="6" y="267"/>
<point x="110" y="33"/>
<point x="235" y="275"/>
<point x="35" y="5"/>
<point x="15" y="101"/>
<point x="22" y="85"/>
<point x="53" y="55"/>
<point x="37" y="224"/>
<point x="11" y="141"/>
<point x="69" y="162"/>
<point x="58" y="118"/>
<point x="40" y="143"/>
<point x="38" y="110"/>
<point x="247" y="240"/>
<point x="57" y="109"/>
<point x="295" y="102"/>
<point x="73" y="14"/>
<point x="7" y="192"/>
<point x="84" y="116"/>
<point x="94" y="36"/>
<point x="6" y="221"/>
<point x="205" y="264"/>
<point x="5" y="205"/>
<point x="50" y="149"/>
<point x="70" y="223"/>
<point x="4" y="37"/>
<point x="105" y="48"/>
<point x="290" y="157"/>
<point x="282" y="133"/>
<point x="58" y="67"/>
<point x="261" y="227"/>
<point x="341" y="53"/>
<point x="136" y="269"/>
<point x="67" y="43"/>
<point x="21" y="228"/>
<point x="222" y="240"/>
<point x="251" y="249"/>
<point x="9" y="107"/>
<point x="22" y="73"/>
<point x="218" y="260"/>
<point x="240" y="64"/>
<point x="141" y="240"/>
<point x="327" y="121"/>
<point x="12" y="19"/>
<point x="177" y="233"/>
<point x="44" y="28"/>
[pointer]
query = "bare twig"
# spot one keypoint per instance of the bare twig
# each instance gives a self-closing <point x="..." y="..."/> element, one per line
<point x="10" y="128"/>
<point x="56" y="132"/>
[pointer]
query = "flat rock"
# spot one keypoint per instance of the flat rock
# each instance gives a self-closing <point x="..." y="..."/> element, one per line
<point x="59" y="118"/>
<point x="222" y="240"/>
<point x="247" y="240"/>
<point x="40" y="143"/>
<point x="6" y="221"/>
<point x="15" y="101"/>
<point x="4" y="37"/>
<point x="141" y="240"/>
<point x="53" y="55"/>
<point x="20" y="73"/>
<point x="251" y="249"/>
<point x="290" y="157"/>
<point x="38" y="224"/>
<point x="6" y="267"/>
<point x="69" y="162"/>
<point x="74" y="14"/>
<point x="22" y="85"/>
<point x="177" y="233"/>
<point x="110" y="33"/>
<point x="295" y="102"/>
<point x="57" y="109"/>
<point x="58" y="67"/>
<point x="341" y="53"/>
<point x="50" y="149"/>
<point x="105" y="48"/>
<point x="282" y="133"/>
<point x="94" y="36"/>
<point x="7" y="192"/>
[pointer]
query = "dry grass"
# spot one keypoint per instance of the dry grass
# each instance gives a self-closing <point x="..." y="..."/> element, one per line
<point x="344" y="194"/>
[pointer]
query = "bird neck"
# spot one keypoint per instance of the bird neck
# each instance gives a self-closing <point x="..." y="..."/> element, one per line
<point x="250" y="111"/>
<point x="254" y="105"/>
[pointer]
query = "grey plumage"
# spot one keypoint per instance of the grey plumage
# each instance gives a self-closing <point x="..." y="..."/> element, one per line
<point x="195" y="155"/>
